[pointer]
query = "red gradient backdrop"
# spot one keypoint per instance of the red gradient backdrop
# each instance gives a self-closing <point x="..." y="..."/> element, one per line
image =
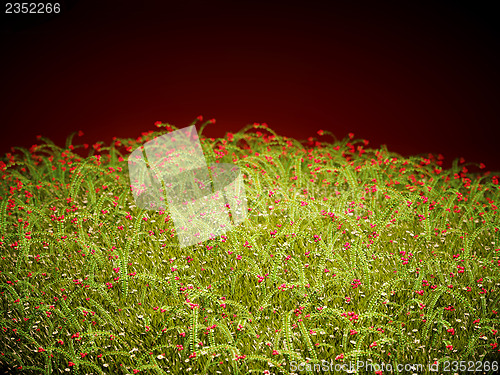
<point x="418" y="78"/>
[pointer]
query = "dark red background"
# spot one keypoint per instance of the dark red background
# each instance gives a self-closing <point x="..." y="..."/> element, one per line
<point x="419" y="78"/>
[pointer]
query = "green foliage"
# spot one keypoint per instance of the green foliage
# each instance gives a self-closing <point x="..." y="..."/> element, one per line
<point x="347" y="254"/>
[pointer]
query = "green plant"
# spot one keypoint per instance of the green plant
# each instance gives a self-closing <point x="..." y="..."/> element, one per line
<point x="348" y="254"/>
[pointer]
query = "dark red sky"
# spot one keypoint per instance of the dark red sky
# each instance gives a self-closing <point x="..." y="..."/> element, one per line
<point x="419" y="78"/>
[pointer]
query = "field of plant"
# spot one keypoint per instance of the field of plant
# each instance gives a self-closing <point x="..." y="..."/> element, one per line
<point x="347" y="254"/>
